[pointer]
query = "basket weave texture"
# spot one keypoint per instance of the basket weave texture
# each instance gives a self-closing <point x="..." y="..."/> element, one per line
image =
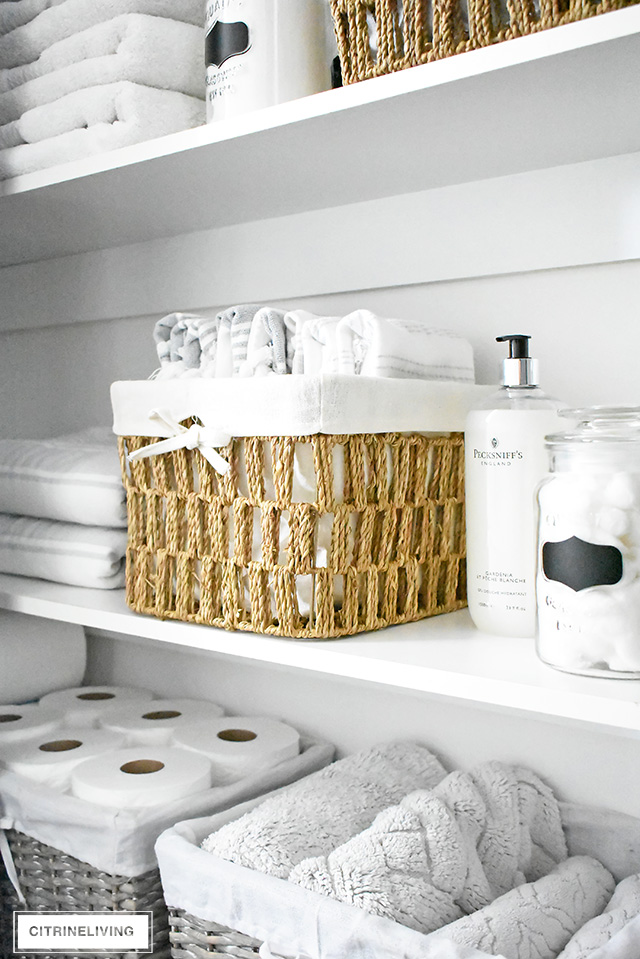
<point x="239" y="552"/>
<point x="194" y="938"/>
<point x="52" y="881"/>
<point x="411" y="32"/>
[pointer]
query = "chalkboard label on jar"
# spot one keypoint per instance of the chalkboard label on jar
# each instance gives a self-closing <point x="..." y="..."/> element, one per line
<point x="225" y="40"/>
<point x="580" y="565"/>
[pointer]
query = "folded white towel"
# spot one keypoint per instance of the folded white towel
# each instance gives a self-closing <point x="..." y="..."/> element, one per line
<point x="536" y="920"/>
<point x="375" y="346"/>
<point x="234" y="326"/>
<point x="317" y="814"/>
<point x="152" y="51"/>
<point x="421" y="862"/>
<point x="294" y="321"/>
<point x="62" y="552"/>
<point x="100" y="119"/>
<point x="27" y="42"/>
<point x="267" y="345"/>
<point x="319" y="344"/>
<point x="72" y="479"/>
<point x="623" y="906"/>
<point x="15" y="13"/>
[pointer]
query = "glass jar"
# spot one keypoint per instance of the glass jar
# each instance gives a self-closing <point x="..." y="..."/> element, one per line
<point x="588" y="571"/>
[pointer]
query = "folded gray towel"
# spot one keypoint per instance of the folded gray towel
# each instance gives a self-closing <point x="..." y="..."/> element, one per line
<point x="422" y="863"/>
<point x="623" y="906"/>
<point x="319" y="813"/>
<point x="522" y="839"/>
<point x="536" y="920"/>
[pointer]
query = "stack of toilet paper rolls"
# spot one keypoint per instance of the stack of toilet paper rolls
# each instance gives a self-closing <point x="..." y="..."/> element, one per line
<point x="119" y="747"/>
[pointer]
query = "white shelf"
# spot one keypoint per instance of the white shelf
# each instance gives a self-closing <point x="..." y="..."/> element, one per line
<point x="558" y="97"/>
<point x="444" y="656"/>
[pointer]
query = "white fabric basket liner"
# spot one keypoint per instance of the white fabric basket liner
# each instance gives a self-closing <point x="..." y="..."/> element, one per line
<point x="294" y="922"/>
<point x="295" y="405"/>
<point x="120" y="841"/>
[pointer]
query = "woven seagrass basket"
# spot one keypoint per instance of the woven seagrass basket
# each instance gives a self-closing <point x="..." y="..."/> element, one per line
<point x="411" y="32"/>
<point x="379" y="540"/>
<point x="52" y="881"/>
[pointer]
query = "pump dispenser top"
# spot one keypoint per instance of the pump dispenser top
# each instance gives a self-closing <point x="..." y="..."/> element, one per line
<point x="519" y="369"/>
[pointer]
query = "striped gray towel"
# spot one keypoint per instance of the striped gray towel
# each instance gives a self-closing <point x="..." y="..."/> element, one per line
<point x="372" y="345"/>
<point x="233" y="338"/>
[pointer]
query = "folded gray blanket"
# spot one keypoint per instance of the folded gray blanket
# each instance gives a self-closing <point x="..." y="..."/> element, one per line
<point x="536" y="920"/>
<point x="315" y="815"/>
<point x="444" y="852"/>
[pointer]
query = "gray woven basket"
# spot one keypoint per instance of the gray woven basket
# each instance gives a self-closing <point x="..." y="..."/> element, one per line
<point x="194" y="938"/>
<point x="52" y="881"/>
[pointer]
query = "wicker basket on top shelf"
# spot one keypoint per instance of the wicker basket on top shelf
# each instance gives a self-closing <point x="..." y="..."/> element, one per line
<point x="376" y="37"/>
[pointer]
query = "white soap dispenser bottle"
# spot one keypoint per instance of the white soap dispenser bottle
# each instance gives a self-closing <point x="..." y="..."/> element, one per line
<point x="505" y="459"/>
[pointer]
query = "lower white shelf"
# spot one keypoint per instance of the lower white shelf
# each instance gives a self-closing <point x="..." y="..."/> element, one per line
<point x="443" y="656"/>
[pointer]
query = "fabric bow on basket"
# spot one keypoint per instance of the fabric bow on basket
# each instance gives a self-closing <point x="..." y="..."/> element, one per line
<point x="203" y="438"/>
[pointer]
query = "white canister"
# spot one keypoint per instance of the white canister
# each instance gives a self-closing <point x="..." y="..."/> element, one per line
<point x="260" y="54"/>
<point x="588" y="576"/>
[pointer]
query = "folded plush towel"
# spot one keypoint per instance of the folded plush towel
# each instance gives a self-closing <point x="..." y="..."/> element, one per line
<point x="73" y="479"/>
<point x="409" y="865"/>
<point x="26" y="42"/>
<point x="152" y="51"/>
<point x="62" y="552"/>
<point x="100" y="119"/>
<point x="536" y="920"/>
<point x="374" y="346"/>
<point x="267" y="350"/>
<point x="421" y="862"/>
<point x="623" y="906"/>
<point x="319" y="813"/>
<point x="234" y="326"/>
<point x="15" y="13"/>
<point x="522" y="837"/>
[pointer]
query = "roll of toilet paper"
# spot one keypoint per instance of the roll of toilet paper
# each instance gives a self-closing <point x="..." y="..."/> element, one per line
<point x="83" y="705"/>
<point x="50" y="759"/>
<point x="139" y="776"/>
<point x="18" y="723"/>
<point x="240" y="745"/>
<point x="38" y="656"/>
<point x="155" y="723"/>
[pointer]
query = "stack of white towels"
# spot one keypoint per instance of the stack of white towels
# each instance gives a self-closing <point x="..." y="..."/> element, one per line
<point x="478" y="858"/>
<point x="63" y="514"/>
<point x="252" y="340"/>
<point x="80" y="77"/>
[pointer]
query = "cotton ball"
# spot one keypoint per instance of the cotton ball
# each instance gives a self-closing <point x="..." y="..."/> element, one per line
<point x="621" y="491"/>
<point x="613" y="520"/>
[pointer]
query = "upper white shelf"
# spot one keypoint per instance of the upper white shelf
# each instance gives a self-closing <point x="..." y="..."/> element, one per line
<point x="561" y="96"/>
<point x="443" y="656"/>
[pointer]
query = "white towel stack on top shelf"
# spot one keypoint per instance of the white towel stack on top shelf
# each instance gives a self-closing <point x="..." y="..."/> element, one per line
<point x="79" y="78"/>
<point x="63" y="509"/>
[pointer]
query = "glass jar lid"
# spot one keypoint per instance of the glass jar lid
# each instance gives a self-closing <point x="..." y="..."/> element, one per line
<point x="599" y="424"/>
